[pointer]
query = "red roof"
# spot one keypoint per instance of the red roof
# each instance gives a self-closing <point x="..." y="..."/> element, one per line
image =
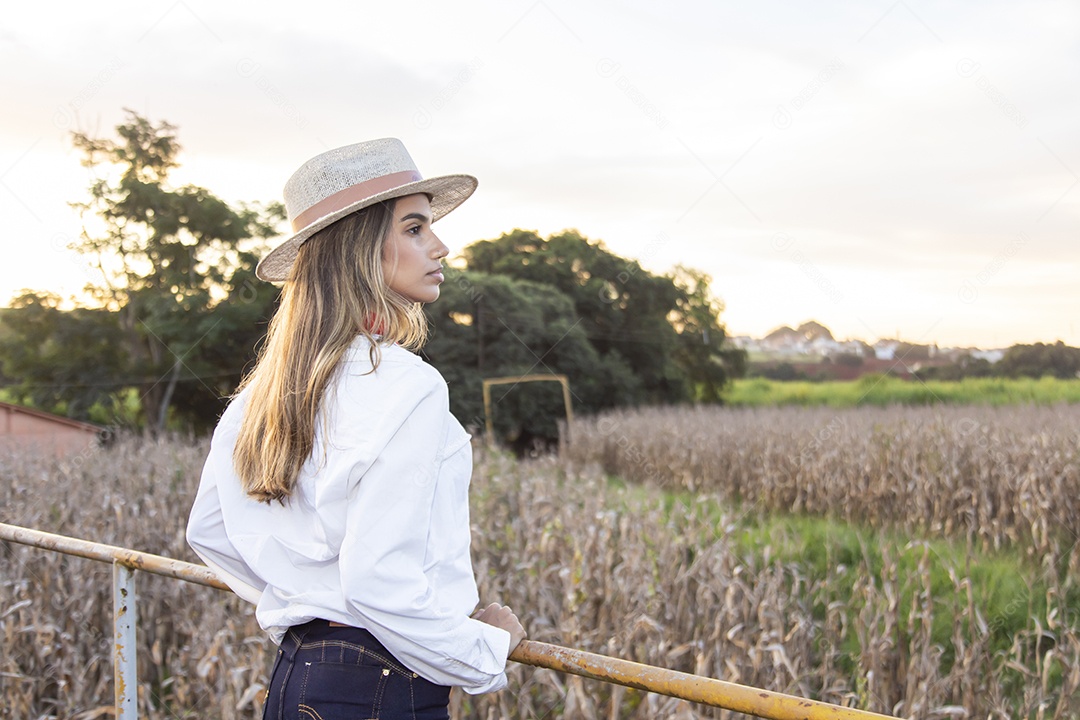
<point x="59" y="419"/>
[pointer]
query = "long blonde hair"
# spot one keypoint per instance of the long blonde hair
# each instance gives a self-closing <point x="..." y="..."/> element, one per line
<point x="335" y="292"/>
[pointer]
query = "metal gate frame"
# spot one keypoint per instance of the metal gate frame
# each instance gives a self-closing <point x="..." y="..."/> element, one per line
<point x="489" y="425"/>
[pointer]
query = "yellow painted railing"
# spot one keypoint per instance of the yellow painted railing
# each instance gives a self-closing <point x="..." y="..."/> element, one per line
<point x="717" y="693"/>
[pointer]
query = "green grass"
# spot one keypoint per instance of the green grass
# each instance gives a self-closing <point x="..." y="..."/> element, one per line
<point x="1007" y="588"/>
<point x="882" y="390"/>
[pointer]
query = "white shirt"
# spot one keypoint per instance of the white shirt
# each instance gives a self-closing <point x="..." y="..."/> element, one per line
<point x="376" y="532"/>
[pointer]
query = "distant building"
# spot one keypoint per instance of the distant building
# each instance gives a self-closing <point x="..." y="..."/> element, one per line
<point x="825" y="347"/>
<point x="885" y="349"/>
<point x="22" y="427"/>
<point x="785" y="342"/>
<point x="853" y="347"/>
<point x="991" y="356"/>
<point x="744" y="342"/>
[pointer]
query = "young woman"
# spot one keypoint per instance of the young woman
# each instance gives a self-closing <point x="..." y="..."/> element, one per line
<point x="335" y="495"/>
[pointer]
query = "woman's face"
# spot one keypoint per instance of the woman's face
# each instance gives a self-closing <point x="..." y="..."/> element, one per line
<point x="412" y="254"/>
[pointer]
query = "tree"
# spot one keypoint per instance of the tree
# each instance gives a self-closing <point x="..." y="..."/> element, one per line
<point x="1058" y="359"/>
<point x="666" y="329"/>
<point x="487" y="326"/>
<point x="168" y="257"/>
<point x="965" y="366"/>
<point x="700" y="351"/>
<point x="177" y="292"/>
<point x="66" y="362"/>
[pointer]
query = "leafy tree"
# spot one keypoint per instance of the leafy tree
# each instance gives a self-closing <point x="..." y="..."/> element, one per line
<point x="61" y="361"/>
<point x="912" y="352"/>
<point x="964" y="366"/>
<point x="168" y="257"/>
<point x="486" y="326"/>
<point x="849" y="359"/>
<point x="700" y="351"/>
<point x="666" y="330"/>
<point x="1058" y="359"/>
<point x="784" y="371"/>
<point x="177" y="300"/>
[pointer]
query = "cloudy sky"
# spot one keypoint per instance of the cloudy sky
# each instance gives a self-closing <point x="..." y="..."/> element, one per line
<point x="885" y="168"/>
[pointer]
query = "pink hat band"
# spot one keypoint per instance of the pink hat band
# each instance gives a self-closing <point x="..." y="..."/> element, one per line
<point x="353" y="194"/>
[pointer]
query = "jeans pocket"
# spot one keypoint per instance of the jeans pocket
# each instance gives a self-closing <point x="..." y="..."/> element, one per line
<point x="338" y="691"/>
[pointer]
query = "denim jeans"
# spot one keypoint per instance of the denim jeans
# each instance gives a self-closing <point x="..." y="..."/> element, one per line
<point x="325" y="672"/>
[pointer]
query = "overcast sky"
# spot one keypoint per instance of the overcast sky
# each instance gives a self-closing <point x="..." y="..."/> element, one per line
<point x="885" y="168"/>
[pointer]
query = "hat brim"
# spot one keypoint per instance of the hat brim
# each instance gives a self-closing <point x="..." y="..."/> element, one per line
<point x="446" y="193"/>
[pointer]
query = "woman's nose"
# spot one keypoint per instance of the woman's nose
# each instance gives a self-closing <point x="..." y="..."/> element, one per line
<point x="441" y="250"/>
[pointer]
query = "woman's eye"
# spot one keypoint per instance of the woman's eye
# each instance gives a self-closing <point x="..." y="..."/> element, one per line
<point x="415" y="230"/>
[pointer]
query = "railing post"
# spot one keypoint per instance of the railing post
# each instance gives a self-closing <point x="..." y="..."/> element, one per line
<point x="124" y="661"/>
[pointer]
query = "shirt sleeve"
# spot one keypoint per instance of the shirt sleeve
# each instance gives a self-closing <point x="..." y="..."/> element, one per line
<point x="206" y="532"/>
<point x="383" y="553"/>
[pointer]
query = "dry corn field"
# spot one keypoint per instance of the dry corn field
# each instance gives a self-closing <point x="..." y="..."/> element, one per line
<point x="998" y="477"/>
<point x="624" y="571"/>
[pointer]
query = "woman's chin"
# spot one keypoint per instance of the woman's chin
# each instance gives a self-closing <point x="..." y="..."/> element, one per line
<point x="427" y="298"/>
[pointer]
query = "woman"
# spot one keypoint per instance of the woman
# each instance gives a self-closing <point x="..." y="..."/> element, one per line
<point x="335" y="494"/>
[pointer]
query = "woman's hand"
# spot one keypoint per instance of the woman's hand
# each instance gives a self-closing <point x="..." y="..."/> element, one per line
<point x="503" y="617"/>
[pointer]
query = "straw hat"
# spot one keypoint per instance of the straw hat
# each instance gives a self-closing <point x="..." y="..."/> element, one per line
<point x="342" y="181"/>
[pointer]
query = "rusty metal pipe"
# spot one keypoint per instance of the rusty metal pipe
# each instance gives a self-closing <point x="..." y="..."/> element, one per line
<point x="708" y="691"/>
<point x="133" y="559"/>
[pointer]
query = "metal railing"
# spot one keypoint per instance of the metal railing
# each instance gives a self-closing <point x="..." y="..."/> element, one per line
<point x="708" y="691"/>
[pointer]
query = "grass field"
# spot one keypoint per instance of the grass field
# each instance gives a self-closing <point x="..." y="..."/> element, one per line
<point x="880" y="390"/>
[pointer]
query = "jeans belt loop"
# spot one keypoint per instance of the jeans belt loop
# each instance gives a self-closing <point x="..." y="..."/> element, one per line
<point x="290" y="645"/>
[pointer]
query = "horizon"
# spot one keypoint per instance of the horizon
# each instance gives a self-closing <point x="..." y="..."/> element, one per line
<point x="874" y="341"/>
<point x="893" y="170"/>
